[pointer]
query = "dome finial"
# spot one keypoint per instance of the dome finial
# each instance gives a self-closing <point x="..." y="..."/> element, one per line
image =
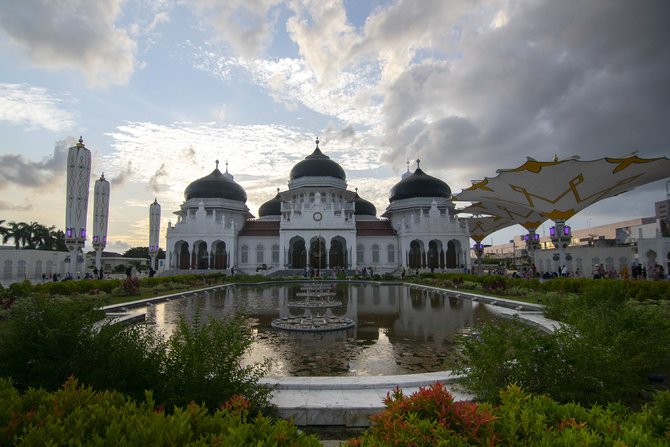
<point x="226" y="166"/>
<point x="418" y="163"/>
<point x="407" y="165"/>
<point x="217" y="164"/>
<point x="277" y="190"/>
<point x="317" y="142"/>
<point x="356" y="190"/>
<point x="81" y="142"/>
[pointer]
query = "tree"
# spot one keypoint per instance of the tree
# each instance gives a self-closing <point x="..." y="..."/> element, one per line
<point x="142" y="252"/>
<point x="3" y="229"/>
<point x="20" y="232"/>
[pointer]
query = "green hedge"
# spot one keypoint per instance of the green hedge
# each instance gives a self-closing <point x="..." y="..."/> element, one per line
<point x="501" y="285"/>
<point x="606" y="351"/>
<point x="431" y="417"/>
<point x="76" y="415"/>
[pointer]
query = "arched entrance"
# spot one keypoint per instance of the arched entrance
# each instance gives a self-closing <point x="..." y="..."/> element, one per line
<point x="220" y="257"/>
<point x="435" y="255"/>
<point x="317" y="253"/>
<point x="297" y="254"/>
<point x="452" y="255"/>
<point x="200" y="256"/>
<point x="184" y="256"/>
<point x="415" y="248"/>
<point x="337" y="255"/>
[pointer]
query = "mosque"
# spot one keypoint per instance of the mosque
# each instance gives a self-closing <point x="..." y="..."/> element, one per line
<point x="317" y="225"/>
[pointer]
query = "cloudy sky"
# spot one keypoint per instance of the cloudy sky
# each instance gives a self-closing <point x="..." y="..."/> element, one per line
<point x="160" y="89"/>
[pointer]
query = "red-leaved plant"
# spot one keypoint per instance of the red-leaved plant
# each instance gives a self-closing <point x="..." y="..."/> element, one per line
<point x="426" y="417"/>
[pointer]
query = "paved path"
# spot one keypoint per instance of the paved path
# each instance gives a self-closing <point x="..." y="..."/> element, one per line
<point x="349" y="400"/>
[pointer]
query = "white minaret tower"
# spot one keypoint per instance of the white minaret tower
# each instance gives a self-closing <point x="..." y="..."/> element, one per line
<point x="76" y="203"/>
<point x="100" y="218"/>
<point x="154" y="231"/>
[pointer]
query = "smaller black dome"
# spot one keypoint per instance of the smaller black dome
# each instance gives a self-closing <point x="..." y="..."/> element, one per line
<point x="363" y="207"/>
<point x="271" y="208"/>
<point x="215" y="185"/>
<point x="419" y="184"/>
<point x="317" y="165"/>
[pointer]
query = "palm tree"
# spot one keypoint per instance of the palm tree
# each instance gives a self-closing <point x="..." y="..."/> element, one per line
<point x="59" y="240"/>
<point x="3" y="229"/>
<point x="41" y="236"/>
<point x="20" y="232"/>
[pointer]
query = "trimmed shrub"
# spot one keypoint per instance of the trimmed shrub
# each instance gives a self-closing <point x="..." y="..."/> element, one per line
<point x="430" y="417"/>
<point x="76" y="415"/>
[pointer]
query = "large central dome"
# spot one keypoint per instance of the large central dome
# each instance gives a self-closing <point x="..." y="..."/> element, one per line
<point x="216" y="185"/>
<point x="317" y="165"/>
<point x="419" y="184"/>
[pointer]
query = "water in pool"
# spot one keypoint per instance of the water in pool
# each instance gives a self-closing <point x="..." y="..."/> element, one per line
<point x="399" y="329"/>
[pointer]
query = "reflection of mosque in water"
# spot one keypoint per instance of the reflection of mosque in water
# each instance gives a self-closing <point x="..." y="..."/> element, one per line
<point x="398" y="329"/>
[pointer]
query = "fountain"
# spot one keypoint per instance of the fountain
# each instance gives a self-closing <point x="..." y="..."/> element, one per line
<point x="317" y="300"/>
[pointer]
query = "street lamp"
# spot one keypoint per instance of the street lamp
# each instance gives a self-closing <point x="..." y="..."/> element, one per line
<point x="561" y="236"/>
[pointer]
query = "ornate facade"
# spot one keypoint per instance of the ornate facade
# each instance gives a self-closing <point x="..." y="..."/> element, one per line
<point x="317" y="224"/>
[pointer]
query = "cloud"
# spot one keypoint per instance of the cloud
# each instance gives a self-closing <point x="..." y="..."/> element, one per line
<point x="155" y="185"/>
<point x="16" y="170"/>
<point x="246" y="25"/>
<point x="120" y="178"/>
<point x="543" y="79"/>
<point x="36" y="107"/>
<point x="6" y="206"/>
<point x="72" y="34"/>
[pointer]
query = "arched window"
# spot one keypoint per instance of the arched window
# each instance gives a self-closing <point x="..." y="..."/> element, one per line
<point x="38" y="269"/>
<point x="275" y="254"/>
<point x="390" y="253"/>
<point x="375" y="253"/>
<point x="359" y="254"/>
<point x="21" y="269"/>
<point x="244" y="255"/>
<point x="260" y="254"/>
<point x="7" y="274"/>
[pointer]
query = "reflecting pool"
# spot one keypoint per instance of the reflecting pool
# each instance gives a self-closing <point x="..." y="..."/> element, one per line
<point x="399" y="329"/>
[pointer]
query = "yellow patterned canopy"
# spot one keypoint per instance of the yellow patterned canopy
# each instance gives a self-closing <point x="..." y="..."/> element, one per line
<point x="527" y="218"/>
<point x="557" y="190"/>
<point x="480" y="227"/>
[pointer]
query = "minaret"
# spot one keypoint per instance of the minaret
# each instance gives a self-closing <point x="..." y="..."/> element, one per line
<point x="100" y="218"/>
<point x="76" y="203"/>
<point x="154" y="231"/>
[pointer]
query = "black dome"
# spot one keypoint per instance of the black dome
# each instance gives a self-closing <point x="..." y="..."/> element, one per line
<point x="363" y="207"/>
<point x="215" y="186"/>
<point x="270" y="208"/>
<point x="419" y="184"/>
<point x="317" y="165"/>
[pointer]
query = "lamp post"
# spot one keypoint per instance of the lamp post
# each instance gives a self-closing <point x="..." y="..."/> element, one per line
<point x="561" y="236"/>
<point x="532" y="240"/>
<point x="479" y="252"/>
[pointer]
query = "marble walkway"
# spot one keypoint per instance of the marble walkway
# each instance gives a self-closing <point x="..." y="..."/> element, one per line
<point x="347" y="401"/>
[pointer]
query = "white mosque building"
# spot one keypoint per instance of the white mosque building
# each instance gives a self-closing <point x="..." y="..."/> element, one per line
<point x="317" y="224"/>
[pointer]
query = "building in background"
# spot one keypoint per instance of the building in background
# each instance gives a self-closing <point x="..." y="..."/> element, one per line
<point x="317" y="224"/>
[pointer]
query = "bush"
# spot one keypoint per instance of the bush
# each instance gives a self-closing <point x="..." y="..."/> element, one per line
<point x="130" y="286"/>
<point x="203" y="364"/>
<point x="49" y="339"/>
<point x="76" y="415"/>
<point x="430" y="417"/>
<point x="604" y="353"/>
<point x="43" y="338"/>
<point x="426" y="417"/>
